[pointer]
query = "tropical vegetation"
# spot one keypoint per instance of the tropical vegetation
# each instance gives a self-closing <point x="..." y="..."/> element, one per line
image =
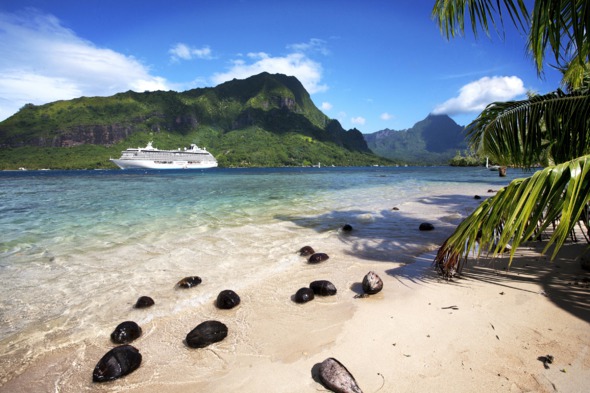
<point x="551" y="129"/>
<point x="262" y="121"/>
<point x="431" y="141"/>
<point x="466" y="158"/>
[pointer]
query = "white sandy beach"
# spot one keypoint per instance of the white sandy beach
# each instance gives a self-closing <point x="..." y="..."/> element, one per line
<point x="407" y="338"/>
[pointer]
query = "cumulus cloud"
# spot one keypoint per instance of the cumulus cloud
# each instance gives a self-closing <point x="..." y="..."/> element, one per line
<point x="42" y="61"/>
<point x="308" y="72"/>
<point x="386" y="116"/>
<point x="182" y="51"/>
<point x="326" y="106"/>
<point x="358" y="120"/>
<point x="475" y="96"/>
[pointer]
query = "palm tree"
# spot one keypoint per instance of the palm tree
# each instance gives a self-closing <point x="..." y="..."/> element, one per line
<point x="553" y="129"/>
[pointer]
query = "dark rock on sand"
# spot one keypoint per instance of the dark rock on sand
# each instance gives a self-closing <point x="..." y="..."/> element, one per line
<point x="426" y="226"/>
<point x="322" y="288"/>
<point x="306" y="251"/>
<point x="334" y="376"/>
<point x="189" y="282"/>
<point x="318" y="257"/>
<point x="126" y="332"/>
<point x="372" y="283"/>
<point x="144" y="301"/>
<point x="547" y="360"/>
<point x="303" y="295"/>
<point x="227" y="299"/>
<point x="206" y="333"/>
<point x="117" y="363"/>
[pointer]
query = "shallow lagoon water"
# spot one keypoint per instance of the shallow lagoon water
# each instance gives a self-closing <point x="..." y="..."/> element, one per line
<point x="79" y="247"/>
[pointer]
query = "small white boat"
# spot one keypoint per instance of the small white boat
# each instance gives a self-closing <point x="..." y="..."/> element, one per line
<point x="492" y="167"/>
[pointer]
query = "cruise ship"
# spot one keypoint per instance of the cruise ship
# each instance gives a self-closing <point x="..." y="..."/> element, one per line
<point x="151" y="158"/>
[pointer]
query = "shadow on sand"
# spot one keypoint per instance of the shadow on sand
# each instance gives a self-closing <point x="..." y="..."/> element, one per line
<point x="562" y="281"/>
<point x="393" y="236"/>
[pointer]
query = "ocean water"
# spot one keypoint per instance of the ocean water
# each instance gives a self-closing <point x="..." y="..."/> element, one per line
<point x="78" y="248"/>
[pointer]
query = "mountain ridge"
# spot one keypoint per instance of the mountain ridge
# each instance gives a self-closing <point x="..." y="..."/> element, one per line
<point x="264" y="120"/>
<point x="433" y="141"/>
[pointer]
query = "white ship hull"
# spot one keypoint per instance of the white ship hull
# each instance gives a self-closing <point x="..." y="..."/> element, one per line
<point x="152" y="158"/>
<point x="149" y="164"/>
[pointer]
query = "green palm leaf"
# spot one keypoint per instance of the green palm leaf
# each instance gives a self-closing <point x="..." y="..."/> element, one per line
<point x="525" y="133"/>
<point x="519" y="212"/>
<point x="450" y="15"/>
<point x="561" y="26"/>
<point x="546" y="129"/>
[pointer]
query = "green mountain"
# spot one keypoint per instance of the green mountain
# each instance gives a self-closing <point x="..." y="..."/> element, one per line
<point x="432" y="141"/>
<point x="264" y="120"/>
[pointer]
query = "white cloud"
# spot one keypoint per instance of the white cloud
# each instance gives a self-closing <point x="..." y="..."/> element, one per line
<point x="386" y="116"/>
<point x="358" y="120"/>
<point x="314" y="45"/>
<point x="475" y="96"/>
<point x="42" y="61"/>
<point x="182" y="51"/>
<point x="298" y="65"/>
<point x="326" y="106"/>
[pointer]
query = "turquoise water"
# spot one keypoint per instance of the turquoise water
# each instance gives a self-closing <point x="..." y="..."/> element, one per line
<point x="48" y="212"/>
<point x="79" y="247"/>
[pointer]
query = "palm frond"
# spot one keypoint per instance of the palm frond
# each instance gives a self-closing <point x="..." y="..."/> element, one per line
<point x="576" y="76"/>
<point x="558" y="27"/>
<point x="450" y="15"/>
<point x="519" y="212"/>
<point x="524" y="133"/>
<point x="564" y="26"/>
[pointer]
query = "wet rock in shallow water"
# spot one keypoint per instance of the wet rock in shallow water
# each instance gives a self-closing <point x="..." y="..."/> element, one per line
<point x="306" y="251"/>
<point x="227" y="299"/>
<point x="346" y="228"/>
<point x="206" y="333"/>
<point x="322" y="288"/>
<point x="144" y="301"/>
<point x="117" y="363"/>
<point x="189" y="282"/>
<point x="426" y="226"/>
<point x="372" y="283"/>
<point x="303" y="295"/>
<point x="334" y="376"/>
<point x="126" y="332"/>
<point x="318" y="257"/>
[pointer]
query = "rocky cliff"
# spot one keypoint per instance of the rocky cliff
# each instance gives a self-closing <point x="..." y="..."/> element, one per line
<point x="272" y="113"/>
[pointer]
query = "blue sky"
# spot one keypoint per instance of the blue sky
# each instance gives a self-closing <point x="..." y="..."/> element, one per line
<point x="369" y="64"/>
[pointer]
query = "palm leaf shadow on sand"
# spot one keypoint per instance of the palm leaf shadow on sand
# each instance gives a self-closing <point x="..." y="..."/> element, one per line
<point x="391" y="235"/>
<point x="562" y="281"/>
<point x="421" y="271"/>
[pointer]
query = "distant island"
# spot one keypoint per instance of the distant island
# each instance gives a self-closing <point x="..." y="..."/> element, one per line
<point x="432" y="141"/>
<point x="267" y="120"/>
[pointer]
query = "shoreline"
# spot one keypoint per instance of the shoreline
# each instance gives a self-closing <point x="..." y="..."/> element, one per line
<point x="403" y="339"/>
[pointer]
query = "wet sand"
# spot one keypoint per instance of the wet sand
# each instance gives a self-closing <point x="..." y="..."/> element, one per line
<point x="483" y="332"/>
